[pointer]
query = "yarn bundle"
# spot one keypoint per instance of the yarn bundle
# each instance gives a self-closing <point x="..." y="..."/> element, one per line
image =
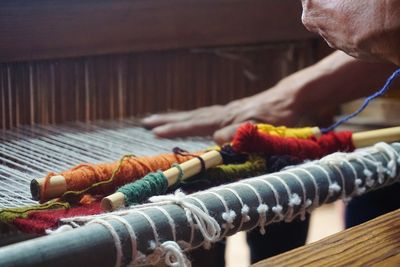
<point x="86" y="183"/>
<point x="255" y="149"/>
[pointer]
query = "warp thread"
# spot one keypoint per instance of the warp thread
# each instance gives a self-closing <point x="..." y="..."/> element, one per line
<point x="248" y="139"/>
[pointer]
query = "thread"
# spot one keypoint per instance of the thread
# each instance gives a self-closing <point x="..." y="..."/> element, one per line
<point x="99" y="178"/>
<point x="33" y="221"/>
<point x="370" y="98"/>
<point x="229" y="156"/>
<point x="226" y="173"/>
<point x="205" y="223"/>
<point x="284" y="131"/>
<point x="248" y="139"/>
<point x="38" y="221"/>
<point x="9" y="215"/>
<point x="87" y="198"/>
<point x="156" y="183"/>
<point x="277" y="163"/>
<point x="152" y="184"/>
<point x="294" y="203"/>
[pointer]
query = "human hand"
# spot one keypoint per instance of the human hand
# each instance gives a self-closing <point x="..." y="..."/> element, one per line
<point x="367" y="29"/>
<point x="276" y="105"/>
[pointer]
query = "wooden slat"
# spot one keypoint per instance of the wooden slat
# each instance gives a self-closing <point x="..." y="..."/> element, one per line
<point x="124" y="85"/>
<point x="375" y="243"/>
<point x="43" y="29"/>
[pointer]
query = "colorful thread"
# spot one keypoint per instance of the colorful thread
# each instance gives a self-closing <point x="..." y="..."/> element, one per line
<point x="277" y="163"/>
<point x="295" y="203"/>
<point x="220" y="174"/>
<point x="227" y="173"/>
<point x="68" y="194"/>
<point x="152" y="184"/>
<point x="136" y="193"/>
<point x="284" y="131"/>
<point x="34" y="221"/>
<point x="99" y="179"/>
<point x="378" y="93"/>
<point x="39" y="221"/>
<point x="248" y="139"/>
<point x="10" y="215"/>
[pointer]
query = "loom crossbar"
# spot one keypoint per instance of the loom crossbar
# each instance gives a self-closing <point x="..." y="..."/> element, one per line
<point x="93" y="245"/>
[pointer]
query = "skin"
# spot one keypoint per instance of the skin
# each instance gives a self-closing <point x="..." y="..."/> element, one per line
<point x="336" y="79"/>
<point x="367" y="29"/>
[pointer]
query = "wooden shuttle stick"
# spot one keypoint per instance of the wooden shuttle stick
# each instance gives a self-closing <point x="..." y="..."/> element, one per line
<point x="57" y="184"/>
<point x="368" y="138"/>
<point x="190" y="168"/>
<point x="55" y="188"/>
<point x="316" y="131"/>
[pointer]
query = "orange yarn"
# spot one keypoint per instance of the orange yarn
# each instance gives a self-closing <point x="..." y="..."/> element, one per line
<point x="129" y="169"/>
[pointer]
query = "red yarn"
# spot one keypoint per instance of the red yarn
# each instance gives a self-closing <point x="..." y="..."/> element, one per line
<point x="37" y="222"/>
<point x="249" y="139"/>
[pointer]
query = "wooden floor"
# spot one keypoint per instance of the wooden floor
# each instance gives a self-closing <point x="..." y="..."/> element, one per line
<point x="374" y="243"/>
<point x="325" y="221"/>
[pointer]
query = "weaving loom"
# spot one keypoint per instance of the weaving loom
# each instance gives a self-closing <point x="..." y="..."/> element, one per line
<point x="137" y="235"/>
<point x="30" y="152"/>
<point x="67" y="100"/>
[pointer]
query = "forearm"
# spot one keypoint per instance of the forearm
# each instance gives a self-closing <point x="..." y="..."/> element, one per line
<point x="335" y="80"/>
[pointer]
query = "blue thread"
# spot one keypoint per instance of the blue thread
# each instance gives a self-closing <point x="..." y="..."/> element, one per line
<point x="380" y="92"/>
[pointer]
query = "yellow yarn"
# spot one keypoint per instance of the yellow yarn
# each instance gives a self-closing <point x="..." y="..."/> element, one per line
<point x="283" y="131"/>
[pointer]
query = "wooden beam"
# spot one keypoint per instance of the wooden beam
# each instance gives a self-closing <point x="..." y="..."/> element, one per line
<point x="45" y="29"/>
<point x="374" y="243"/>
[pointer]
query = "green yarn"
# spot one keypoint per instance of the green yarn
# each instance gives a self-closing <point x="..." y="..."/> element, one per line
<point x="152" y="184"/>
<point x="156" y="183"/>
<point x="181" y="174"/>
<point x="9" y="215"/>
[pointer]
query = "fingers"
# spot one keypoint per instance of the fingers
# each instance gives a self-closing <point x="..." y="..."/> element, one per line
<point x="175" y="117"/>
<point x="184" y="129"/>
<point x="161" y="119"/>
<point x="225" y="134"/>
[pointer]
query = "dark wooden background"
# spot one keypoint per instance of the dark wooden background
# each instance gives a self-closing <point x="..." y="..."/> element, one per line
<point x="96" y="59"/>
